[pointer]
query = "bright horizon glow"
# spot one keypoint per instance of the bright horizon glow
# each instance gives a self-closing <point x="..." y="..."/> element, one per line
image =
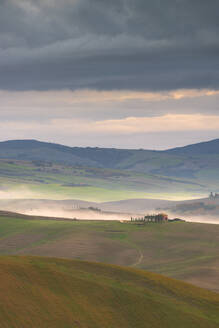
<point x="118" y="119"/>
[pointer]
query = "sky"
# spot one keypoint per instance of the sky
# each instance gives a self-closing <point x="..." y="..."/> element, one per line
<point x="110" y="73"/>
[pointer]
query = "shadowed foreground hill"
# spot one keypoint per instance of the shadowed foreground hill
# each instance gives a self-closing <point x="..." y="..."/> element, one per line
<point x="47" y="292"/>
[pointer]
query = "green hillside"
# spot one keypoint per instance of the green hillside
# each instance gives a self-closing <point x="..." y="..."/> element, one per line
<point x="186" y="251"/>
<point x="196" y="166"/>
<point x="33" y="179"/>
<point x="48" y="292"/>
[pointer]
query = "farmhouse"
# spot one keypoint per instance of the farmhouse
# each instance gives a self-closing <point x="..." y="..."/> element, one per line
<point x="156" y="218"/>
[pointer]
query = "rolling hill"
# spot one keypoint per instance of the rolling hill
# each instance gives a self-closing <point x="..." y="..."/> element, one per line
<point x="31" y="179"/>
<point x="98" y="174"/>
<point x="132" y="159"/>
<point x="208" y="147"/>
<point x="186" y="251"/>
<point x="205" y="209"/>
<point x="47" y="292"/>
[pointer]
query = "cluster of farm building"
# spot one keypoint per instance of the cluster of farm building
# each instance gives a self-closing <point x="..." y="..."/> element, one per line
<point x="156" y="218"/>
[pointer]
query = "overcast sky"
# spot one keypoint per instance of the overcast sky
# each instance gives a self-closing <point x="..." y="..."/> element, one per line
<point x="110" y="73"/>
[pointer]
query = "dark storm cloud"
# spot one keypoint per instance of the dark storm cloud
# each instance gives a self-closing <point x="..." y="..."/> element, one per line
<point x="102" y="44"/>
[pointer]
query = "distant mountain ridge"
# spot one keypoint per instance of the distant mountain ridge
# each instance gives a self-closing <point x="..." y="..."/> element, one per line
<point x="190" y="162"/>
<point x="207" y="147"/>
<point x="21" y="142"/>
<point x="38" y="150"/>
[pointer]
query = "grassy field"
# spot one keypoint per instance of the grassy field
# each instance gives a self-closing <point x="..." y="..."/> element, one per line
<point x="42" y="293"/>
<point x="42" y="180"/>
<point x="187" y="251"/>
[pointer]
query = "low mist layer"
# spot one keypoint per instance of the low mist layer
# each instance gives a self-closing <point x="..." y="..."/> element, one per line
<point x="118" y="210"/>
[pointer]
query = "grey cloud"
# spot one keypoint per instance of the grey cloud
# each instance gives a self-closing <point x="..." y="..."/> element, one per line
<point x="116" y="44"/>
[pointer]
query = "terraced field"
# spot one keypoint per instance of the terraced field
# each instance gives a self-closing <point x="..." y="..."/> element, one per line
<point x="42" y="293"/>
